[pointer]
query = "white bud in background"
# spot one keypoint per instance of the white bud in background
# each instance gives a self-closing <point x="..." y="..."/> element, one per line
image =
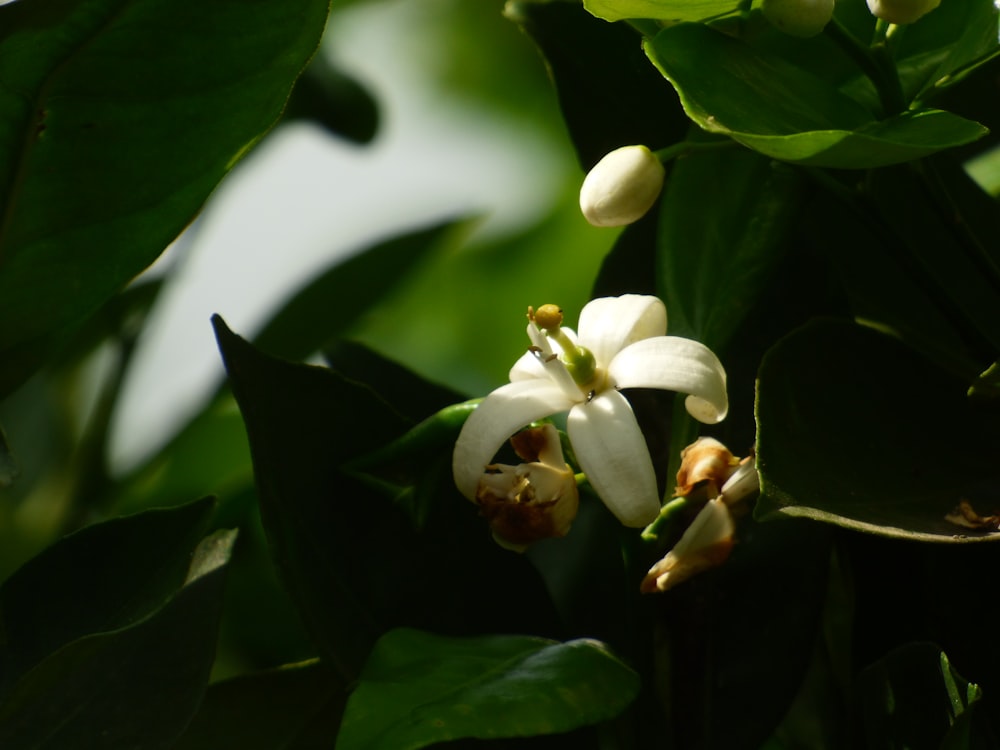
<point x="621" y="187"/>
<point x="901" y="11"/>
<point x="802" y="18"/>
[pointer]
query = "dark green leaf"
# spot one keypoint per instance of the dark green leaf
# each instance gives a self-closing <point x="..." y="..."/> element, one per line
<point x="267" y="711"/>
<point x="8" y="464"/>
<point x="335" y="101"/>
<point x="333" y="300"/>
<point x="914" y="698"/>
<point x="352" y="561"/>
<point x="771" y="105"/>
<point x="611" y="99"/>
<point x="417" y="689"/>
<point x="119" y="119"/>
<point x="135" y="687"/>
<point x="826" y="449"/>
<point x="103" y="578"/>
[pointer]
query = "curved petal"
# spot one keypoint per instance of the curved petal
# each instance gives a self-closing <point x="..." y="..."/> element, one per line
<point x="609" y="324"/>
<point x="672" y="363"/>
<point x="613" y="454"/>
<point x="500" y="415"/>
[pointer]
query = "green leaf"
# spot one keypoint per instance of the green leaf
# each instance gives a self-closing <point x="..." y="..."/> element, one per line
<point x="772" y="106"/>
<point x="119" y="118"/>
<point x="915" y="698"/>
<point x="825" y="449"/>
<point x="268" y="710"/>
<point x="663" y="10"/>
<point x="609" y="100"/>
<point x="417" y="689"/>
<point x="103" y="578"/>
<point x="333" y="100"/>
<point x="351" y="560"/>
<point x="135" y="687"/>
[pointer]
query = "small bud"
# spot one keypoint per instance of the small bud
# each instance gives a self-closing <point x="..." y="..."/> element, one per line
<point x="621" y="187"/>
<point x="705" y="544"/>
<point x="901" y="11"/>
<point x="534" y="500"/>
<point x="802" y="18"/>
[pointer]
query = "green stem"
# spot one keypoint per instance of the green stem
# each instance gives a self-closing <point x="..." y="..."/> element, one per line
<point x="683" y="148"/>
<point x="668" y="514"/>
<point x="875" y="62"/>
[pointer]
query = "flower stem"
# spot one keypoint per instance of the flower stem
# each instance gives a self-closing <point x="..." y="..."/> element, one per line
<point x="683" y="148"/>
<point x="874" y="61"/>
<point x="668" y="513"/>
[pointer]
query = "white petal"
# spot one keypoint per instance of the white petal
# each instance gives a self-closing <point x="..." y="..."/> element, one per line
<point x="609" y="324"/>
<point x="613" y="454"/>
<point x="500" y="415"/>
<point x="672" y="363"/>
<point x="528" y="365"/>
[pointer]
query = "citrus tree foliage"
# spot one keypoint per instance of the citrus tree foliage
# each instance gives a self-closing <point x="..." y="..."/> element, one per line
<point x="810" y="257"/>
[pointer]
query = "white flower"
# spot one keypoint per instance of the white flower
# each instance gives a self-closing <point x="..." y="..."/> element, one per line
<point x="621" y="344"/>
<point x="901" y="11"/>
<point x="802" y="18"/>
<point x="621" y="187"/>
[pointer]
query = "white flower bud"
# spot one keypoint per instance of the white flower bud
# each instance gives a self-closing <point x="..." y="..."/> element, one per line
<point x="802" y="18"/>
<point x="901" y="11"/>
<point x="621" y="187"/>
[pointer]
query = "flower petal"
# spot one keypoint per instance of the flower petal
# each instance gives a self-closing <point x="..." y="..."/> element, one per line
<point x="609" y="324"/>
<point x="500" y="415"/>
<point x="672" y="363"/>
<point x="613" y="454"/>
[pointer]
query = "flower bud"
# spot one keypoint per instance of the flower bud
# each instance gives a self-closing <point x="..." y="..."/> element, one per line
<point x="534" y="500"/>
<point x="621" y="187"/>
<point x="901" y="11"/>
<point x="802" y="18"/>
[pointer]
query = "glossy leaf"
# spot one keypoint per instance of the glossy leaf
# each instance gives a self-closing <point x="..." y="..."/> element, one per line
<point x="103" y="578"/>
<point x="723" y="82"/>
<point x="119" y="119"/>
<point x="915" y="698"/>
<point x="418" y="689"/>
<point x="857" y="430"/>
<point x="136" y="686"/>
<point x="609" y="100"/>
<point x="268" y="710"/>
<point x="334" y="536"/>
<point x="663" y="10"/>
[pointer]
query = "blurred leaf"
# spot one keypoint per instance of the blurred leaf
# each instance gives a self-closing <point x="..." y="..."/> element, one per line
<point x="608" y="100"/>
<point x="914" y="698"/>
<point x="723" y="225"/>
<point x="772" y="106"/>
<point x="321" y="310"/>
<point x="115" y="130"/>
<point x="8" y="464"/>
<point x="942" y="48"/>
<point x="333" y="100"/>
<point x="418" y="689"/>
<point x="664" y="10"/>
<point x="826" y="451"/>
<point x="268" y="710"/>
<point x="353" y="562"/>
<point x="133" y="687"/>
<point x="103" y="578"/>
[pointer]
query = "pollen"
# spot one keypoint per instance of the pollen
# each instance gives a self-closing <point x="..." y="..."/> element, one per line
<point x="548" y="317"/>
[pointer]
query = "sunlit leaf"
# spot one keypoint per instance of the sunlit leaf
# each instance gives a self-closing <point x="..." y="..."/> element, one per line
<point x="118" y="120"/>
<point x="857" y="430"/>
<point x="418" y="689"/>
<point x="664" y="10"/>
<point x="770" y="105"/>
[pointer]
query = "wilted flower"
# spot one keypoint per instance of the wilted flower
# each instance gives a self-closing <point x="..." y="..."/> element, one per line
<point x="621" y="345"/>
<point x="621" y="187"/>
<point x="802" y="18"/>
<point x="706" y="544"/>
<point x="901" y="11"/>
<point x="534" y="500"/>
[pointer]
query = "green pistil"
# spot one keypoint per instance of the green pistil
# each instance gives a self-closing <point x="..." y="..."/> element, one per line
<point x="579" y="360"/>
